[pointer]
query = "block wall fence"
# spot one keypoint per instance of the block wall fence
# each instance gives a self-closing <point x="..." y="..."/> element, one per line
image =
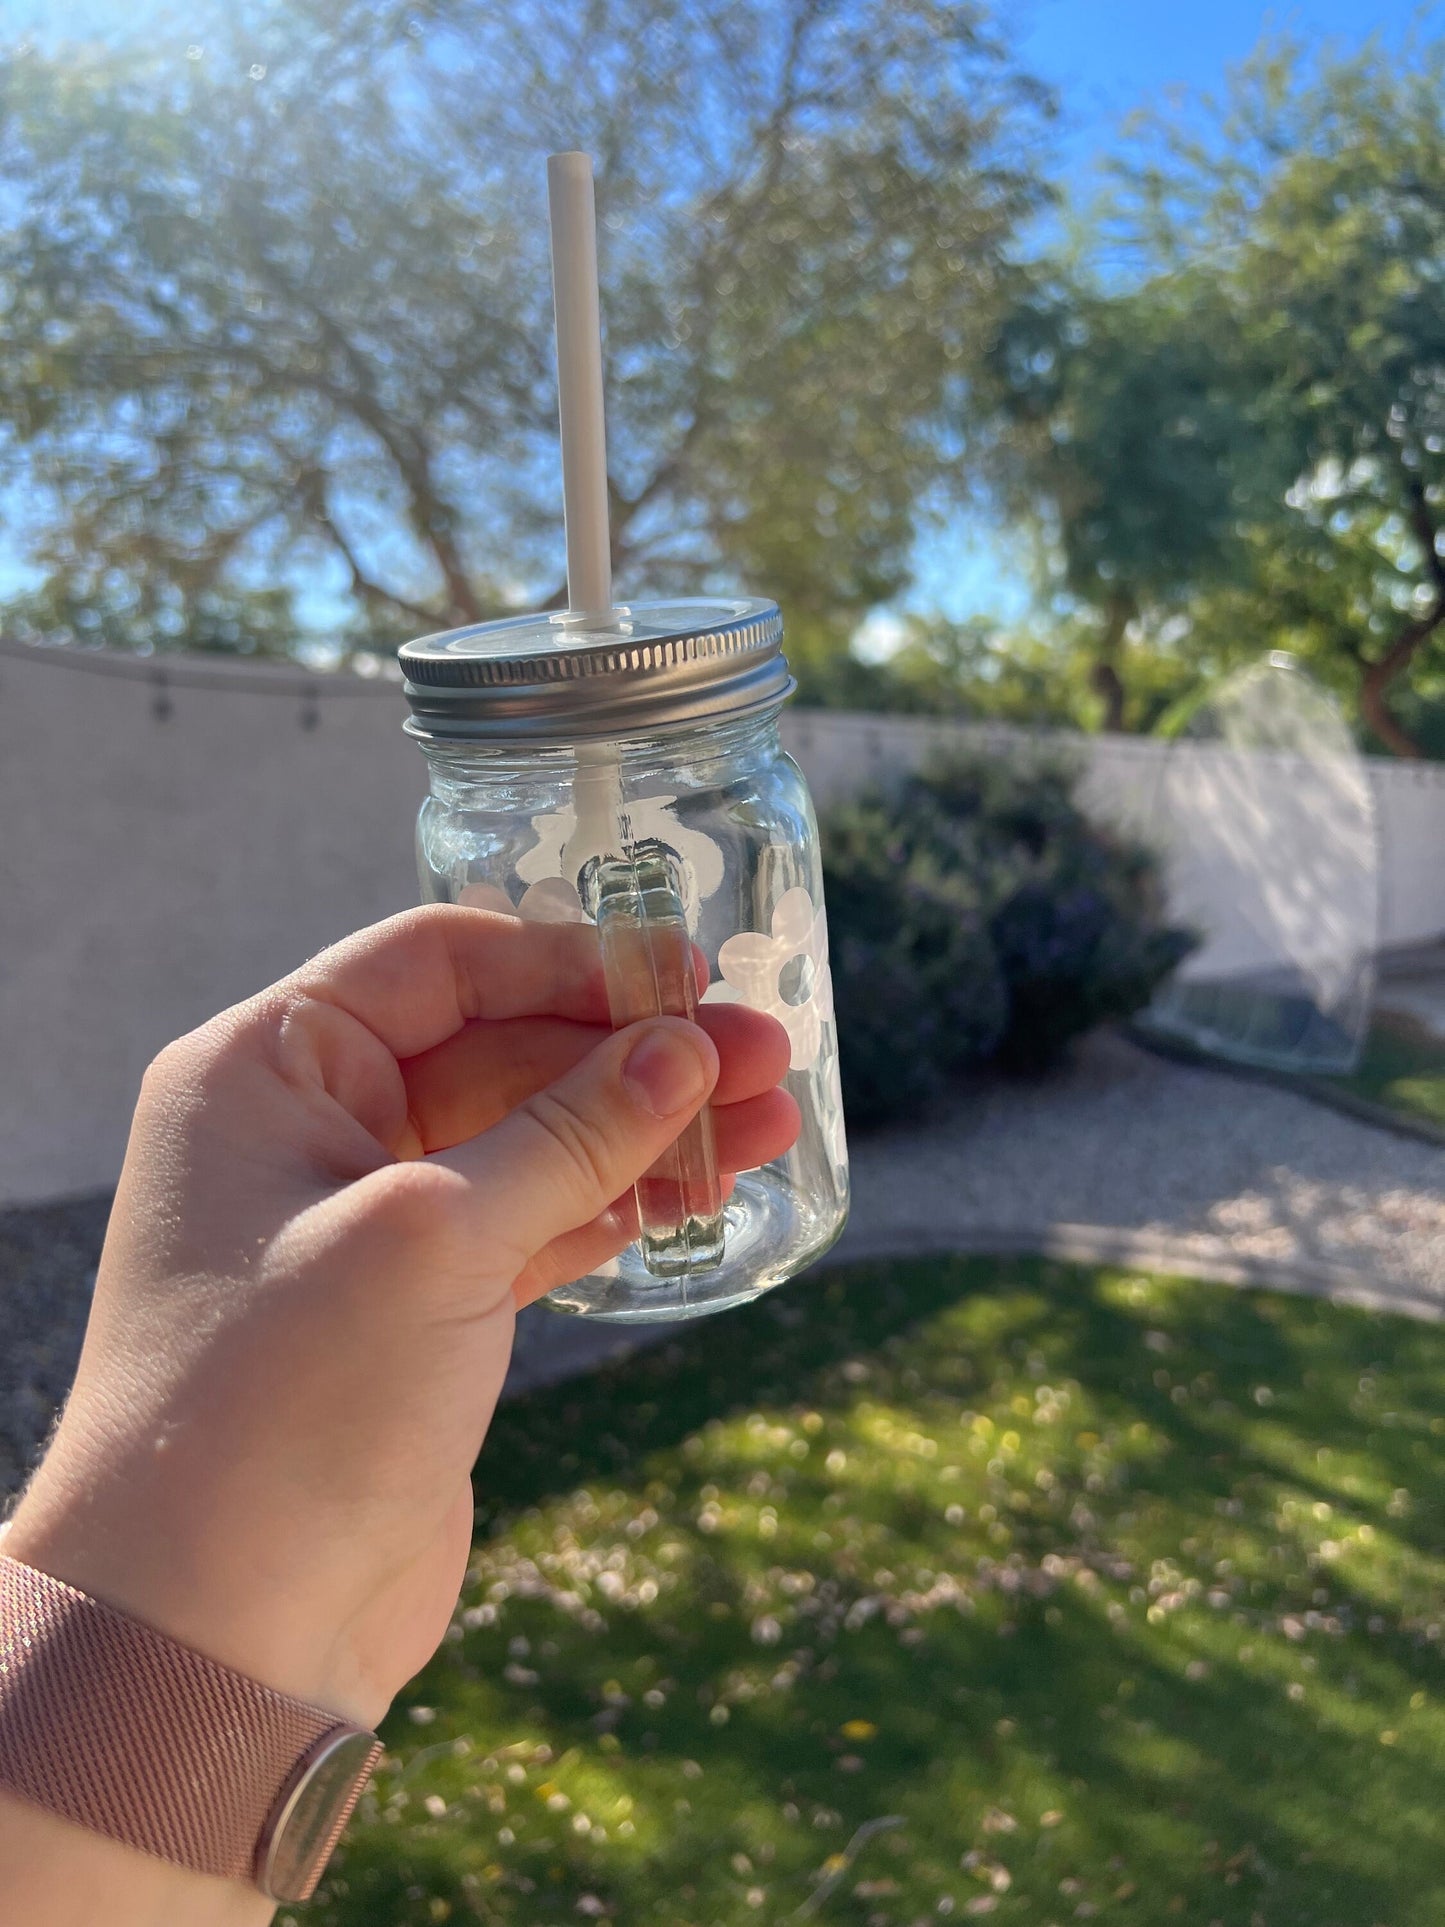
<point x="176" y="834"/>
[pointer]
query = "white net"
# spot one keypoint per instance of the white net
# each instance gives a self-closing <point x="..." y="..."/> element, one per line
<point x="1268" y="821"/>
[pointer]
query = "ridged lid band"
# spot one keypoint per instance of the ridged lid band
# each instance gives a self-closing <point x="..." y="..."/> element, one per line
<point x="654" y="665"/>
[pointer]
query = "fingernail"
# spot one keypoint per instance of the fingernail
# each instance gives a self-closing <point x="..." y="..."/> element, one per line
<point x="665" y="1072"/>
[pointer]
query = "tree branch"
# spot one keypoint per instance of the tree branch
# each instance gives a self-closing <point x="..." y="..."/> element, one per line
<point x="735" y="196"/>
<point x="313" y="489"/>
<point x="403" y="443"/>
<point x="1397" y="658"/>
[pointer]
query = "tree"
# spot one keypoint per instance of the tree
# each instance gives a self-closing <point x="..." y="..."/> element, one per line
<point x="976" y="669"/>
<point x="1315" y="205"/>
<point x="1121" y="429"/>
<point x="274" y="303"/>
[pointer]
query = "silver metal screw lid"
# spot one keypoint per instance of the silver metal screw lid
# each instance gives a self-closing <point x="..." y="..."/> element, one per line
<point x="565" y="678"/>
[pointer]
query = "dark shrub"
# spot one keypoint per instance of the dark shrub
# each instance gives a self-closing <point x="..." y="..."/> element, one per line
<point x="976" y="913"/>
<point x="916" y="982"/>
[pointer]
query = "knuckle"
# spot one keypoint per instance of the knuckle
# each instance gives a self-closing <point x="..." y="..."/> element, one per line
<point x="425" y="916"/>
<point x="181" y="1068"/>
<point x="413" y="1200"/>
<point x="166" y="1069"/>
<point x="582" y="1141"/>
<point x="408" y="1219"/>
<point x="440" y="919"/>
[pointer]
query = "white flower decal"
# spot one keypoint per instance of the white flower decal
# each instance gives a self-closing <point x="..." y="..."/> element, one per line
<point x="751" y="968"/>
<point x="559" y="851"/>
<point x="487" y="896"/>
<point x="830" y="1109"/>
<point x="553" y="900"/>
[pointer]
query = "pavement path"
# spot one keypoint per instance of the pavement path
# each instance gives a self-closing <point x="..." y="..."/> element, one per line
<point x="1133" y="1159"/>
<point x="1124" y="1158"/>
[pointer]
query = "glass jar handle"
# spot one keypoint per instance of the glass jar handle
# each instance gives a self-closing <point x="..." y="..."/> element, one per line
<point x="647" y="957"/>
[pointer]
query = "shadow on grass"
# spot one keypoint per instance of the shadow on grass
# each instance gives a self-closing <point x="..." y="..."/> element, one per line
<point x="1119" y="1592"/>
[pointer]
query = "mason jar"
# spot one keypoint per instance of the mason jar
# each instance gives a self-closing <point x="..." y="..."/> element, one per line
<point x="627" y="772"/>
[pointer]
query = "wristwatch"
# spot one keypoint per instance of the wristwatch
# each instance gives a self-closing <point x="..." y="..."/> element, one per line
<point x="111" y="1724"/>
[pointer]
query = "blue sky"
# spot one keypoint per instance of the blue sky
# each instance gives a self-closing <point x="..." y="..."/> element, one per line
<point x="1105" y="57"/>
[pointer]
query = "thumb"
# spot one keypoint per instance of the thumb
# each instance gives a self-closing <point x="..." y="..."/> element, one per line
<point x="568" y="1152"/>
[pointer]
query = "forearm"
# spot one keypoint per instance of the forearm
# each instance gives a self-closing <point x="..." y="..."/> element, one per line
<point x="53" y="1874"/>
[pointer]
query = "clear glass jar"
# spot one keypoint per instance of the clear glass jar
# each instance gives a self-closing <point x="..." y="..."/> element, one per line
<point x="716" y="800"/>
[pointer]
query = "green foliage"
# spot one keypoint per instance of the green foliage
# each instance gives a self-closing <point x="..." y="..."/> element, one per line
<point x="1121" y="429"/>
<point x="1220" y="412"/>
<point x="1129" y="424"/>
<point x="1315" y="208"/>
<point x="917" y="987"/>
<point x="275" y="309"/>
<point x="976" y="913"/>
<point x="973" y="668"/>
<point x="275" y="343"/>
<point x="1122" y="1594"/>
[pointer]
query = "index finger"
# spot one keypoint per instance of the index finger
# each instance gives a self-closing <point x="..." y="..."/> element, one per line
<point x="418" y="978"/>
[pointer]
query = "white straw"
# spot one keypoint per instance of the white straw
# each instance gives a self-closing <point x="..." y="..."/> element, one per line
<point x="579" y="382"/>
<point x="597" y="790"/>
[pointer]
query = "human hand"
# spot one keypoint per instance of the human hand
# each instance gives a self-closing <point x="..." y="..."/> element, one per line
<point x="334" y="1199"/>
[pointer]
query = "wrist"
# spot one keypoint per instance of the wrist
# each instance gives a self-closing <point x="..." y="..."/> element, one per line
<point x="114" y="1726"/>
<point x="66" y="1876"/>
<point x="219" y="1598"/>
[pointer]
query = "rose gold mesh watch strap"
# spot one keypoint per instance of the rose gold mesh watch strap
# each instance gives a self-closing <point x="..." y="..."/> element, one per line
<point x="107" y="1722"/>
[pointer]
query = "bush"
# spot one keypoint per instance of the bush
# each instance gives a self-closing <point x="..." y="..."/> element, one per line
<point x="976" y="914"/>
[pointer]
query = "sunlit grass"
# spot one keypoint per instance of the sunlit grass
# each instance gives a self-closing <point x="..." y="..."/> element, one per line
<point x="1117" y="1596"/>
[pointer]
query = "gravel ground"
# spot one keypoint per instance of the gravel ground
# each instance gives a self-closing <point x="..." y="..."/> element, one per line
<point x="1133" y="1156"/>
<point x="1125" y="1157"/>
<point x="48" y="1255"/>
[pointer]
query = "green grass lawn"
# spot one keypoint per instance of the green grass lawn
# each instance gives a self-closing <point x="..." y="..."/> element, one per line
<point x="945" y="1589"/>
<point x="1403" y="1068"/>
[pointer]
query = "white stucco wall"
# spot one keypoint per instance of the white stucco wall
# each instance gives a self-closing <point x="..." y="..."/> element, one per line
<point x="154" y="870"/>
<point x="156" y="867"/>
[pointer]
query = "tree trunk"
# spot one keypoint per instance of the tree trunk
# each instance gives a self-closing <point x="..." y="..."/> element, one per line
<point x="1104" y="677"/>
<point x="1378" y="677"/>
<point x="1397" y="658"/>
